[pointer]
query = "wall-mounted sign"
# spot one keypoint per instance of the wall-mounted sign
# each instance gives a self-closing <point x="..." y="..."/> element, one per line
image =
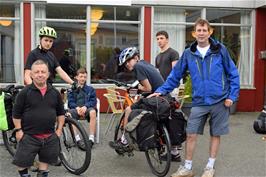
<point x="263" y="54"/>
<point x="93" y="2"/>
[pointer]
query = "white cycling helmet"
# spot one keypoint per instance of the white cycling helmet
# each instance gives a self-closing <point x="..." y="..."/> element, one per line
<point x="127" y="54"/>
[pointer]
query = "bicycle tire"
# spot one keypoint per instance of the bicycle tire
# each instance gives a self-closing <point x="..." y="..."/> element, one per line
<point x="10" y="146"/>
<point x="118" y="131"/>
<point x="68" y="146"/>
<point x="156" y="153"/>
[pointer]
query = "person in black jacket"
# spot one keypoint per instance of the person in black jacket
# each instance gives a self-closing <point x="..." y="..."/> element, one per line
<point x="36" y="110"/>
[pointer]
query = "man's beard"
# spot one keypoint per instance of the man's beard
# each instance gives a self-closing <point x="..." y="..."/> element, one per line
<point x="40" y="84"/>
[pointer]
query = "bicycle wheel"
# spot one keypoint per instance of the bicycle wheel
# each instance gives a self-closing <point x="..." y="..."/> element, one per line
<point x="118" y="131"/>
<point x="74" y="159"/>
<point x="153" y="156"/>
<point x="10" y="141"/>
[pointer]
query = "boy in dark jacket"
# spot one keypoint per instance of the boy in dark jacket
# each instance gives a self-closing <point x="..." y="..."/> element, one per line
<point x="82" y="104"/>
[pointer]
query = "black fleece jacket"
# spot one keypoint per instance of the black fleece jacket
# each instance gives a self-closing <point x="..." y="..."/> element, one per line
<point x="38" y="113"/>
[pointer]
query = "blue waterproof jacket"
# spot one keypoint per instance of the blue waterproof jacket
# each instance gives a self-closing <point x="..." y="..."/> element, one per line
<point x="214" y="77"/>
<point x="90" y="98"/>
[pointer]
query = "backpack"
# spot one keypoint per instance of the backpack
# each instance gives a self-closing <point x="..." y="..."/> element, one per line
<point x="176" y="127"/>
<point x="141" y="130"/>
<point x="259" y="125"/>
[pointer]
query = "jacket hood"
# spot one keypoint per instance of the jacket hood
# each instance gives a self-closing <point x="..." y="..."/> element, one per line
<point x="215" y="46"/>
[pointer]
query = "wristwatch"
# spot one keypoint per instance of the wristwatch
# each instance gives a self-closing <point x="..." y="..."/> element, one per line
<point x="17" y="129"/>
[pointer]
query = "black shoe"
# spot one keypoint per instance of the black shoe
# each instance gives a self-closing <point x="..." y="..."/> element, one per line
<point x="26" y="175"/>
<point x="91" y="143"/>
<point x="81" y="145"/>
<point x="174" y="158"/>
<point x="42" y="173"/>
<point x="119" y="146"/>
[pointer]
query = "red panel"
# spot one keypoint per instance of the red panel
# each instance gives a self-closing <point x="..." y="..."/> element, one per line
<point x="253" y="100"/>
<point x="27" y="29"/>
<point x="260" y="45"/>
<point x="103" y="101"/>
<point x="246" y="100"/>
<point x="147" y="34"/>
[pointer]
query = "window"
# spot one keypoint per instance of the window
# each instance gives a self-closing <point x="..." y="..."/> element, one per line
<point x="107" y="26"/>
<point x="10" y="50"/>
<point x="231" y="27"/>
<point x="175" y="21"/>
<point x="117" y="28"/>
<point x="70" y="25"/>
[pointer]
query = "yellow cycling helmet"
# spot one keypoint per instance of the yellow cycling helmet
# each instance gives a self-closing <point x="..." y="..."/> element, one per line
<point x="47" y="31"/>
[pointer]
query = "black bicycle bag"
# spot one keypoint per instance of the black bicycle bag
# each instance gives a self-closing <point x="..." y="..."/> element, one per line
<point x="141" y="130"/>
<point x="176" y="126"/>
<point x="259" y="125"/>
<point x="8" y="100"/>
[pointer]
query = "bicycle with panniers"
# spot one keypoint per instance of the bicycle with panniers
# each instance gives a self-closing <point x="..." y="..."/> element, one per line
<point x="146" y="130"/>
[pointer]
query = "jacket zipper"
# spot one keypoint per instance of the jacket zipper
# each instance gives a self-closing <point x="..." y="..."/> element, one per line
<point x="210" y="66"/>
<point x="223" y="80"/>
<point x="199" y="68"/>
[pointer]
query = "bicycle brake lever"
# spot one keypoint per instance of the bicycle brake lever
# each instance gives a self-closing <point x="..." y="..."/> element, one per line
<point x="134" y="84"/>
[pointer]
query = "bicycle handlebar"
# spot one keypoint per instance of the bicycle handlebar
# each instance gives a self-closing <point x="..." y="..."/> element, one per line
<point x="12" y="89"/>
<point x="129" y="86"/>
<point x="117" y="83"/>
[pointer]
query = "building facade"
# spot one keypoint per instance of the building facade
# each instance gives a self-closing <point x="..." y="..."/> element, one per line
<point x="94" y="32"/>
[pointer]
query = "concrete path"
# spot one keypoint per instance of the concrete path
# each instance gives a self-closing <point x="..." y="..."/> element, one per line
<point x="242" y="154"/>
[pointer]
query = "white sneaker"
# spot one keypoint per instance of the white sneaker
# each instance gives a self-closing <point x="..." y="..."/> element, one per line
<point x="208" y="172"/>
<point x="183" y="172"/>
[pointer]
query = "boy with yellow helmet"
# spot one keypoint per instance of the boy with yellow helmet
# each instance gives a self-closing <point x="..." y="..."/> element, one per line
<point x="47" y="36"/>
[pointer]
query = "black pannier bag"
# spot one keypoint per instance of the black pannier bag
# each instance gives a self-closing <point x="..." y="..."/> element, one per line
<point x="176" y="127"/>
<point x="259" y="125"/>
<point x="8" y="107"/>
<point x="141" y="130"/>
<point x="160" y="106"/>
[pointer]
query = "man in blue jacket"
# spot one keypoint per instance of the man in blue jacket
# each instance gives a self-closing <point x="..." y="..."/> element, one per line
<point x="82" y="104"/>
<point x="215" y="86"/>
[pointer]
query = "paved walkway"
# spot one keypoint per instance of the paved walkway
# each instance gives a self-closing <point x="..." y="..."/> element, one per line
<point x="242" y="154"/>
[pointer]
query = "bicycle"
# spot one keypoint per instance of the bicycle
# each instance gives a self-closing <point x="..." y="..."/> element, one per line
<point x="74" y="159"/>
<point x="158" y="166"/>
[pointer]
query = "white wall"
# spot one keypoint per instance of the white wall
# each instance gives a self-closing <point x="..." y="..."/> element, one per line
<point x="205" y="3"/>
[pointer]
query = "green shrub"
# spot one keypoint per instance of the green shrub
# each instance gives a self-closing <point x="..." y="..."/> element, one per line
<point x="188" y="89"/>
